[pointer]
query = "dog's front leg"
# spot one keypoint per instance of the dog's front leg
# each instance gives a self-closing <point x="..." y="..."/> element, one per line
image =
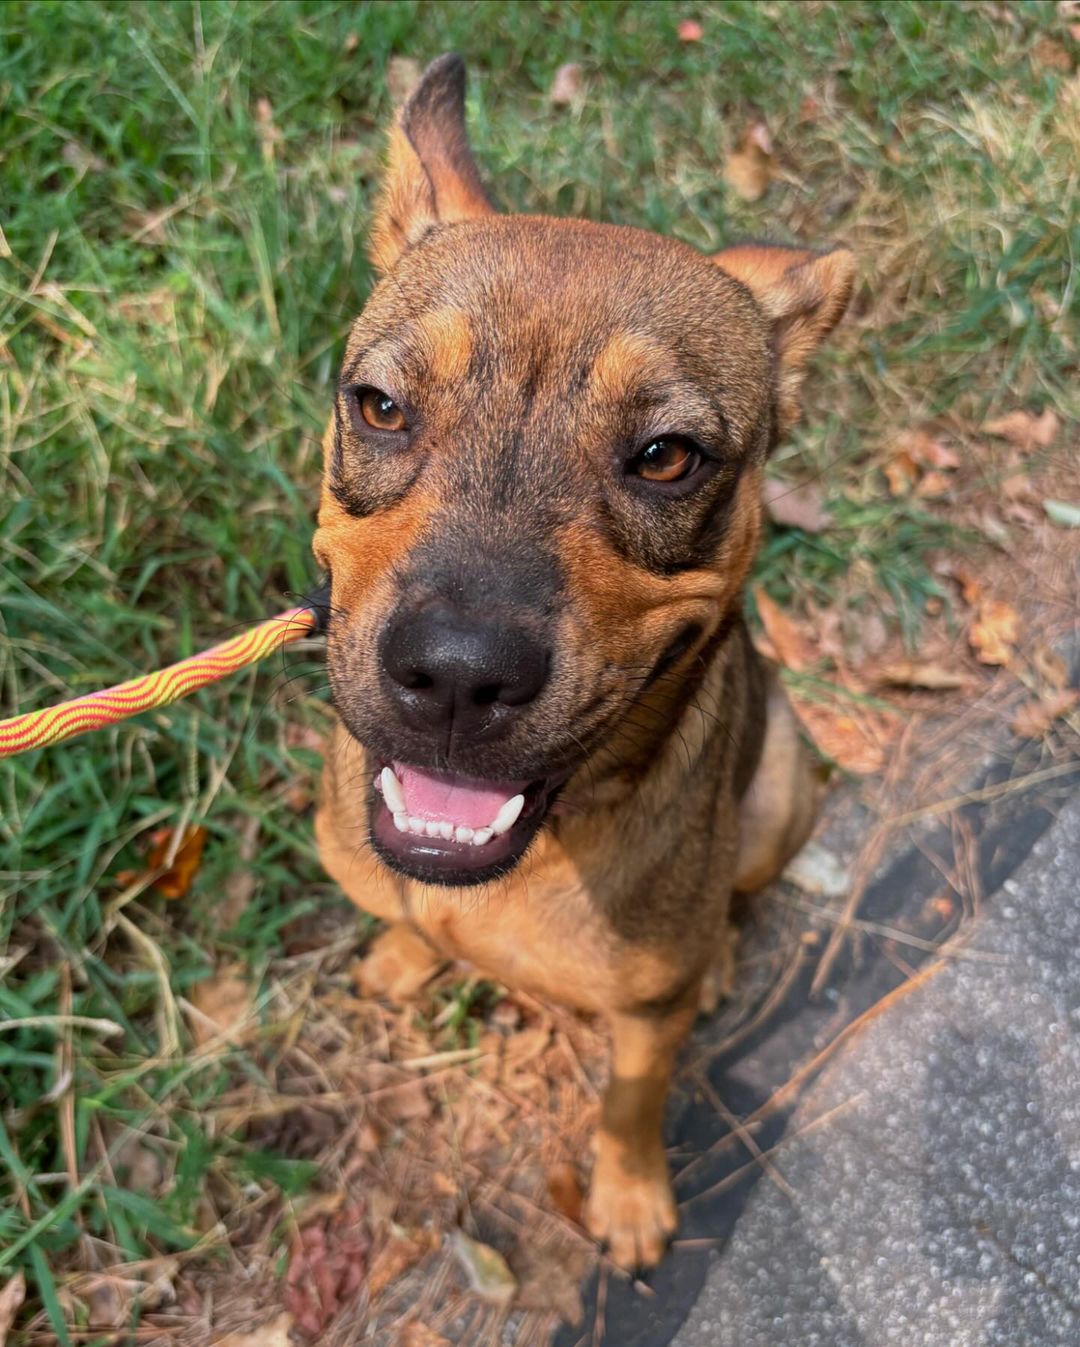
<point x="630" y="1206"/>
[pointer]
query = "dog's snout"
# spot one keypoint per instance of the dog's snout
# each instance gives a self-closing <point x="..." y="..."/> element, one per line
<point x="444" y="667"/>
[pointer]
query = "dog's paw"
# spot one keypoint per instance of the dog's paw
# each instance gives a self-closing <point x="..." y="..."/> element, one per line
<point x="397" y="965"/>
<point x="631" y="1211"/>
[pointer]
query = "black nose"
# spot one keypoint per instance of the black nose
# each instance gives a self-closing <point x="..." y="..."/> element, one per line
<point x="444" y="667"/>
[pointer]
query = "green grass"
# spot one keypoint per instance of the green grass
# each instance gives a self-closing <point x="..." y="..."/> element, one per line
<point x="176" y="280"/>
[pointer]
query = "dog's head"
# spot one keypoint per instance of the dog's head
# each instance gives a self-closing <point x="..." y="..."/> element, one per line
<point x="542" y="484"/>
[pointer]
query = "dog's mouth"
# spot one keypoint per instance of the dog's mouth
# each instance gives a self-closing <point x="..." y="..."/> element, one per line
<point x="442" y="828"/>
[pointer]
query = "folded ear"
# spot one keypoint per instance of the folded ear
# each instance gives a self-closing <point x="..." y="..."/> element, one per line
<point x="430" y="175"/>
<point x="803" y="294"/>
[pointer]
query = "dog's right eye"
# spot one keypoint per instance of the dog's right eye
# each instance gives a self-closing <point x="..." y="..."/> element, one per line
<point x="380" y="410"/>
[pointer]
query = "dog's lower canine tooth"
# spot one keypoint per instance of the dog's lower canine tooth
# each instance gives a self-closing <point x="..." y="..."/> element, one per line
<point x="507" y="816"/>
<point x="463" y="834"/>
<point x="482" y="836"/>
<point x="392" y="792"/>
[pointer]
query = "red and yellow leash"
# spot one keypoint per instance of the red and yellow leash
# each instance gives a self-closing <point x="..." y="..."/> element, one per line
<point x="35" y="729"/>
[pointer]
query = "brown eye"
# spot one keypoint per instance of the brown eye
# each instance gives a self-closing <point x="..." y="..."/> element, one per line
<point x="666" y="460"/>
<point x="379" y="411"/>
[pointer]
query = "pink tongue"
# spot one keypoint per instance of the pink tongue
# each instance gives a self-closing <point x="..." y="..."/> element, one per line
<point x="472" y="804"/>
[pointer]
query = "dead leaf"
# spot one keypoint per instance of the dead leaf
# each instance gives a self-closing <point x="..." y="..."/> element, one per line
<point x="398" y="1254"/>
<point x="223" y="1002"/>
<point x="901" y="473"/>
<point x="550" y="1277"/>
<point x="274" y="1333"/>
<point x="796" y="507"/>
<point x="567" y="85"/>
<point x="416" y="1334"/>
<point x="751" y="167"/>
<point x="564" y="1190"/>
<point x="925" y="445"/>
<point x="1034" y="718"/>
<point x="922" y="674"/>
<point x="689" y="30"/>
<point x="970" y="588"/>
<point x="994" y="632"/>
<point x="1026" y="430"/>
<point x="859" y="742"/>
<point x="792" y="647"/>
<point x="1050" y="55"/>
<point x="177" y="879"/>
<point x="402" y="76"/>
<point x="1017" y="486"/>
<point x="485" y="1269"/>
<point x="932" y="485"/>
<point x="326" y="1269"/>
<point x="11" y="1298"/>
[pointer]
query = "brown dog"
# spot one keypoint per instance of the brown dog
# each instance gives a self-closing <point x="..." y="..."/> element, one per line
<point x="542" y="495"/>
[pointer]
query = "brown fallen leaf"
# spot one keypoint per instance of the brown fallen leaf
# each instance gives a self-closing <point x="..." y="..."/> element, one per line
<point x="926" y="447"/>
<point x="274" y="1333"/>
<point x="417" y="1334"/>
<point x="400" y="1252"/>
<point x="922" y="674"/>
<point x="689" y="30"/>
<point x="994" y="632"/>
<point x="796" y="507"/>
<point x="402" y="76"/>
<point x="792" y="647"/>
<point x="901" y="473"/>
<point x="12" y="1295"/>
<point x="932" y="485"/>
<point x="566" y="85"/>
<point x="1047" y="54"/>
<point x="751" y="167"/>
<point x="177" y="879"/>
<point x="564" y="1190"/>
<point x="1026" y="430"/>
<point x="485" y="1269"/>
<point x="223" y="1002"/>
<point x="1034" y="718"/>
<point x="970" y="587"/>
<point x="857" y="742"/>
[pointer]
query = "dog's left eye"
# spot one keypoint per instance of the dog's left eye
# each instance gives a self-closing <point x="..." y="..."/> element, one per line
<point x="669" y="459"/>
<point x="379" y="410"/>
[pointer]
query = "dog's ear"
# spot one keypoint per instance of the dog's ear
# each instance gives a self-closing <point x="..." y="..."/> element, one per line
<point x="803" y="294"/>
<point x="430" y="176"/>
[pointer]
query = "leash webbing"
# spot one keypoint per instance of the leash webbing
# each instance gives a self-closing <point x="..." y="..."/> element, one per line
<point x="95" y="710"/>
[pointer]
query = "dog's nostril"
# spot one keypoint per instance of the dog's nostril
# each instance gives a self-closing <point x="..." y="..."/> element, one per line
<point x="417" y="681"/>
<point x="442" y="665"/>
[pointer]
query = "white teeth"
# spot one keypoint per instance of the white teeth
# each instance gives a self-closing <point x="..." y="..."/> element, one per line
<point x="392" y="792"/>
<point x="507" y="816"/>
<point x="391" y="789"/>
